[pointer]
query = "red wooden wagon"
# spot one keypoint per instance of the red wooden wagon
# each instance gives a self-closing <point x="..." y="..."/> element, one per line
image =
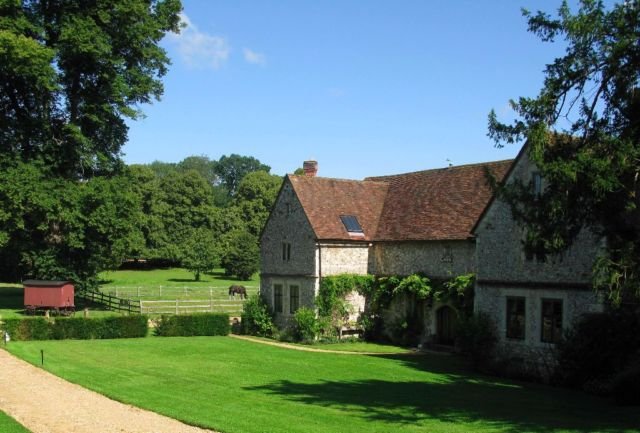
<point x="56" y="296"/>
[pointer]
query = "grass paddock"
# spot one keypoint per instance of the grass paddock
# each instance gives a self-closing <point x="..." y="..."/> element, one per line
<point x="231" y="386"/>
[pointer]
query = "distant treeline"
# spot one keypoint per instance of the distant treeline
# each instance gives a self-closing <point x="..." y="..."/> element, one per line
<point x="196" y="213"/>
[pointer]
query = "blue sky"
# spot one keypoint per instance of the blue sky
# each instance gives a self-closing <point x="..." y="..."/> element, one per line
<point x="364" y="87"/>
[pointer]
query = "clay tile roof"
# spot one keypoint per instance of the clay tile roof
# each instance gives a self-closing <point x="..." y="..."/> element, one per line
<point x="437" y="204"/>
<point x="324" y="200"/>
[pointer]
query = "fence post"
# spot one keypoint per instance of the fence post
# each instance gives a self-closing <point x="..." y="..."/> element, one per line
<point x="211" y="305"/>
<point x="177" y="312"/>
<point x="161" y="291"/>
<point x="140" y="305"/>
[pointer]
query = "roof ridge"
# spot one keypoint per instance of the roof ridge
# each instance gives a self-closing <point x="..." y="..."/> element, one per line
<point x="430" y="170"/>
<point x="296" y="176"/>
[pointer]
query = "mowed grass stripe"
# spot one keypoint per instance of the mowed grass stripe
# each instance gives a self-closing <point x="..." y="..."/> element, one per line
<point x="9" y="425"/>
<point x="238" y="386"/>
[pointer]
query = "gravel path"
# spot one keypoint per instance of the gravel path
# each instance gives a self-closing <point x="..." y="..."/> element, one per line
<point x="44" y="403"/>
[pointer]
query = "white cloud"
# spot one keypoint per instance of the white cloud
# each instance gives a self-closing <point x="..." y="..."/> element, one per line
<point x="198" y="49"/>
<point x="254" y="58"/>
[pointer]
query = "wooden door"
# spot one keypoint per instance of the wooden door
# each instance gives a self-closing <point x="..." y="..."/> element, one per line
<point x="446" y="319"/>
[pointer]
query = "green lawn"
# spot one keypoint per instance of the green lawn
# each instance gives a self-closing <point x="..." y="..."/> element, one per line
<point x="238" y="386"/>
<point x="9" y="425"/>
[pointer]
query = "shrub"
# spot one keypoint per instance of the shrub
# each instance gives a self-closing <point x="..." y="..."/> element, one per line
<point x="243" y="257"/>
<point x="477" y="337"/>
<point x="28" y="329"/>
<point x="193" y="325"/>
<point x="626" y="386"/>
<point x="305" y="325"/>
<point x="77" y="328"/>
<point x="596" y="349"/>
<point x="256" y="318"/>
<point x="135" y="326"/>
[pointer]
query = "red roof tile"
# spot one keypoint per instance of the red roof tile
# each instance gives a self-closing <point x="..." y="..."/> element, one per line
<point x="439" y="204"/>
<point x="325" y="199"/>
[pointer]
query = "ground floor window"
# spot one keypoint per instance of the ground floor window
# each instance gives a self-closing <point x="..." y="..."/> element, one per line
<point x="277" y="298"/>
<point x="515" y="317"/>
<point x="294" y="298"/>
<point x="551" y="320"/>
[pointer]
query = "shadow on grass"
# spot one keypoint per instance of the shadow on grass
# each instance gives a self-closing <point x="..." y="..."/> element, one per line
<point x="459" y="398"/>
<point x="186" y="280"/>
<point x="12" y="298"/>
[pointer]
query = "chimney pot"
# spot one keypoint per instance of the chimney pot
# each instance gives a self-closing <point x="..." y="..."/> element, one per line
<point x="310" y="168"/>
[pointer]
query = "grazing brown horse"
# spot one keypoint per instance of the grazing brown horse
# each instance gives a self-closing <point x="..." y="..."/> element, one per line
<point x="238" y="290"/>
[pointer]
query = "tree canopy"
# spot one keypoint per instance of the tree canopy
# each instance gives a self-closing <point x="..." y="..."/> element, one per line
<point x="583" y="134"/>
<point x="233" y="168"/>
<point x="71" y="73"/>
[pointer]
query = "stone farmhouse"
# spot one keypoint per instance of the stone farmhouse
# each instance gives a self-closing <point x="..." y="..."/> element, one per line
<point x="441" y="222"/>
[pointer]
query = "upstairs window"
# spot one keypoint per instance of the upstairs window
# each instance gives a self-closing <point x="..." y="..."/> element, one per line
<point x="351" y="224"/>
<point x="286" y="251"/>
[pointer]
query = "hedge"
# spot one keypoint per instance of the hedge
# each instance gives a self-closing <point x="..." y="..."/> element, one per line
<point x="77" y="328"/>
<point x="192" y="325"/>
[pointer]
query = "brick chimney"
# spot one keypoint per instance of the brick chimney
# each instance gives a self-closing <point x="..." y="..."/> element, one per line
<point x="310" y="168"/>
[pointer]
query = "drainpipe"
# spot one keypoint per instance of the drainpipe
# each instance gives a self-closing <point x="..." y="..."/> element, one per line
<point x="319" y="264"/>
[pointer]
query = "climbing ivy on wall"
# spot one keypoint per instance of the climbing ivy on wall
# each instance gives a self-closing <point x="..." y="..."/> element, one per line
<point x="380" y="292"/>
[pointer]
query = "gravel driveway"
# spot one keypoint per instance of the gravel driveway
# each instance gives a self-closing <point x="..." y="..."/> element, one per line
<point x="44" y="403"/>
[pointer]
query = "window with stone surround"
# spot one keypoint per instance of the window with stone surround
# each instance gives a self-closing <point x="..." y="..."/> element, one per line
<point x="515" y="317"/>
<point x="294" y="298"/>
<point x="551" y="323"/>
<point x="277" y="298"/>
<point x="286" y="251"/>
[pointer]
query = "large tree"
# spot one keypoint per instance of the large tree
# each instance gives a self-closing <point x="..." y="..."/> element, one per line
<point x="55" y="228"/>
<point x="233" y="168"/>
<point x="254" y="199"/>
<point x="583" y="134"/>
<point x="72" y="71"/>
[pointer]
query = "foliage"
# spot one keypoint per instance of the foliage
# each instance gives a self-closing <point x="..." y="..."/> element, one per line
<point x="256" y="318"/>
<point x="626" y="385"/>
<point x="243" y="256"/>
<point x="477" y="337"/>
<point x="331" y="302"/>
<point x="185" y="205"/>
<point x="381" y="291"/>
<point x="254" y="199"/>
<point x="233" y="168"/>
<point x="596" y="348"/>
<point x="305" y="325"/>
<point x="51" y="228"/>
<point x="77" y="328"/>
<point x="27" y="329"/>
<point x="71" y="73"/>
<point x="246" y="383"/>
<point x="199" y="253"/>
<point x="192" y="325"/>
<point x="583" y="134"/>
<point x="415" y="284"/>
<point x="459" y="289"/>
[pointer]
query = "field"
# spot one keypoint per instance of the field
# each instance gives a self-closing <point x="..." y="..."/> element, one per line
<point x="159" y="289"/>
<point x="9" y="425"/>
<point x="237" y="386"/>
<point x="164" y="290"/>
